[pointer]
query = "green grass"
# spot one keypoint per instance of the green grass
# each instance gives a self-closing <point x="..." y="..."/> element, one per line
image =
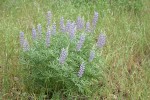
<point x="126" y="53"/>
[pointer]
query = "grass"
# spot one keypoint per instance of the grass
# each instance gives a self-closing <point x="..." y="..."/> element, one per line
<point x="126" y="53"/>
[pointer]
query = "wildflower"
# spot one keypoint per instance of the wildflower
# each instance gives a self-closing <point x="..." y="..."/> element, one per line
<point x="39" y="27"/>
<point x="101" y="40"/>
<point x="87" y="27"/>
<point x="21" y="38"/>
<point x="80" y="43"/>
<point x="54" y="28"/>
<point x="81" y="71"/>
<point x="72" y="31"/>
<point x="80" y="23"/>
<point x="68" y="24"/>
<point x="33" y="33"/>
<point x="62" y="26"/>
<point x="48" y="37"/>
<point x="92" y="55"/>
<point x="63" y="56"/>
<point x="25" y="45"/>
<point x="95" y="19"/>
<point x="49" y="17"/>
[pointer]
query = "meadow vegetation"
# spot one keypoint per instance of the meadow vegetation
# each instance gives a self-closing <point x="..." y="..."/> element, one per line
<point x="125" y="58"/>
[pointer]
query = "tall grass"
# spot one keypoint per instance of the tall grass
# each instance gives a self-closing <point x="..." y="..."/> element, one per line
<point x="126" y="53"/>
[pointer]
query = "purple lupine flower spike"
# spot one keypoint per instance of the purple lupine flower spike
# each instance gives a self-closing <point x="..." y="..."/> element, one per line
<point x="33" y="33"/>
<point x="63" y="56"/>
<point x="25" y="45"/>
<point x="88" y="29"/>
<point x="95" y="19"/>
<point x="80" y="23"/>
<point x="39" y="27"/>
<point x="81" y="71"/>
<point x="101" y="40"/>
<point x="72" y="31"/>
<point x="62" y="26"/>
<point x="21" y="38"/>
<point x="80" y="43"/>
<point x="49" y="17"/>
<point x="92" y="55"/>
<point x="68" y="24"/>
<point x="48" y="37"/>
<point x="54" y="28"/>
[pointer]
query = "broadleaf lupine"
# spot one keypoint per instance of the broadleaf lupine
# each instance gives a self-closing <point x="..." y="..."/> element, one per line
<point x="88" y="28"/>
<point x="49" y="17"/>
<point x="62" y="26"/>
<point x="72" y="31"/>
<point x="21" y="38"/>
<point x="80" y="23"/>
<point x="68" y="24"/>
<point x="25" y="45"/>
<point x="54" y="28"/>
<point x="34" y="34"/>
<point x="92" y="55"/>
<point x="63" y="56"/>
<point x="39" y="28"/>
<point x="81" y="71"/>
<point x="80" y="43"/>
<point x="101" y="40"/>
<point x="95" y="19"/>
<point x="48" y="37"/>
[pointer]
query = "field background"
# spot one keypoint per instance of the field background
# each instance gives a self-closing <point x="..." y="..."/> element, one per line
<point x="127" y="51"/>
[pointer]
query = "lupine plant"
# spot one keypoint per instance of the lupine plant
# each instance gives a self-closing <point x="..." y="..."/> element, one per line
<point x="34" y="34"/>
<point x="80" y="43"/>
<point x="95" y="19"/>
<point x="101" y="40"/>
<point x="39" y="28"/>
<point x="49" y="17"/>
<point x="81" y="71"/>
<point x="63" y="56"/>
<point x="92" y="55"/>
<point x="68" y="24"/>
<point x="72" y="30"/>
<point x="54" y="28"/>
<point x="80" y="23"/>
<point x="62" y="26"/>
<point x="88" y="27"/>
<point x="66" y="62"/>
<point x="21" y="39"/>
<point x="48" y="37"/>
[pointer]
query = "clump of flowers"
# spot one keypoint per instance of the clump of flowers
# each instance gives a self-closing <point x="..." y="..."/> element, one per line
<point x="67" y="61"/>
